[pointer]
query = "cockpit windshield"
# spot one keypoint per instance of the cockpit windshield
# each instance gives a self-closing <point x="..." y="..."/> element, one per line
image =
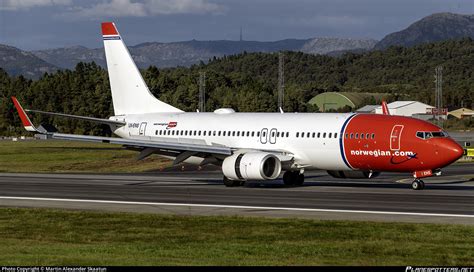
<point x="431" y="134"/>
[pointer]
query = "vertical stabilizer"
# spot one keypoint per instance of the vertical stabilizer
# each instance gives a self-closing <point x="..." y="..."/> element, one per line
<point x="385" y="110"/>
<point x="130" y="93"/>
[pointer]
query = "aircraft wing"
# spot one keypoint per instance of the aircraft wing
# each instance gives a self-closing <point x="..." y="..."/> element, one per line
<point x="85" y="118"/>
<point x="222" y="150"/>
<point x="140" y="144"/>
<point x="145" y="145"/>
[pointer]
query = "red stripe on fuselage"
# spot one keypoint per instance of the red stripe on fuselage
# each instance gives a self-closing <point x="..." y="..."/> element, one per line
<point x="389" y="143"/>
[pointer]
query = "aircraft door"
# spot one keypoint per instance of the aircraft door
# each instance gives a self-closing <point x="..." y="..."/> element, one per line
<point x="395" y="137"/>
<point x="272" y="136"/>
<point x="263" y="136"/>
<point x="142" y="129"/>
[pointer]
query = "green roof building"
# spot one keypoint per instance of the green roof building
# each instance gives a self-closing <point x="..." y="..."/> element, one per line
<point x="336" y="100"/>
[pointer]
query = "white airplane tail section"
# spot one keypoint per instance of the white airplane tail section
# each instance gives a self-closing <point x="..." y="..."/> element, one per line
<point x="130" y="94"/>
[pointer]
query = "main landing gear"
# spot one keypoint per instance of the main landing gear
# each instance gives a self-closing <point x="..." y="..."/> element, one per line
<point x="233" y="183"/>
<point x="293" y="178"/>
<point x="417" y="184"/>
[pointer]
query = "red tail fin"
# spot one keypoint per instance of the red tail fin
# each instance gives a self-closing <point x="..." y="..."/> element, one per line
<point x="385" y="110"/>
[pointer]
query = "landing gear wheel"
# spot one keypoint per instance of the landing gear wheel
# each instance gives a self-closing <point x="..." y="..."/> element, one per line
<point x="299" y="179"/>
<point x="417" y="184"/>
<point x="288" y="178"/>
<point x="293" y="178"/>
<point x="231" y="183"/>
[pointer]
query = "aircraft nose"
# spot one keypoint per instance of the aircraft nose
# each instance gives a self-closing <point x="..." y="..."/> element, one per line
<point x="451" y="151"/>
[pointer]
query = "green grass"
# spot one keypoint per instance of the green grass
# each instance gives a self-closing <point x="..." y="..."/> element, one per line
<point x="68" y="156"/>
<point x="58" y="237"/>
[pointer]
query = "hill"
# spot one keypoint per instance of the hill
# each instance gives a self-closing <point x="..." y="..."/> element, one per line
<point x="187" y="53"/>
<point x="19" y="62"/>
<point x="433" y="28"/>
<point x="248" y="82"/>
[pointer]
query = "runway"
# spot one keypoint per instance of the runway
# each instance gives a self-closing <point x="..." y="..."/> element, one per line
<point x="446" y="199"/>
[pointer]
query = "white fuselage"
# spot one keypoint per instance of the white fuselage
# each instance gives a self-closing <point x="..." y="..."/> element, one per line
<point x="259" y="131"/>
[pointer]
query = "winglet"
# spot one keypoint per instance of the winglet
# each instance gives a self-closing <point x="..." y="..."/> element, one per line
<point x="24" y="118"/>
<point x="385" y="110"/>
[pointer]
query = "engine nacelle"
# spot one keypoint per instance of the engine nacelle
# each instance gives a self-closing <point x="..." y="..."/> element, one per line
<point x="252" y="165"/>
<point x="353" y="174"/>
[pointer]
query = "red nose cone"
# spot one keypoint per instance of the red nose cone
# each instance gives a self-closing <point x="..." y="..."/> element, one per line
<point x="452" y="151"/>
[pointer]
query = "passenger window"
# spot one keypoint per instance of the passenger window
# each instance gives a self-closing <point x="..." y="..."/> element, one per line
<point x="258" y="133"/>
<point x="156" y="132"/>
<point x="297" y="134"/>
<point x="330" y="135"/>
<point x="347" y="135"/>
<point x="238" y="133"/>
<point x="357" y="136"/>
<point x="319" y="134"/>
<point x="362" y="135"/>
<point x="373" y="135"/>
<point x="287" y="134"/>
<point x="352" y="135"/>
<point x="307" y="135"/>
<point x="219" y="133"/>
<point x="367" y="136"/>
<point x="324" y="135"/>
<point x="214" y="133"/>
<point x="248" y="133"/>
<point x="335" y="135"/>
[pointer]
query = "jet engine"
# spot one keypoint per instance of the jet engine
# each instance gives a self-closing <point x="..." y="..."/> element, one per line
<point x="252" y="165"/>
<point x="353" y="174"/>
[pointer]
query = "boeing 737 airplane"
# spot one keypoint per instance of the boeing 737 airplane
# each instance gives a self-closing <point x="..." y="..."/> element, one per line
<point x="260" y="146"/>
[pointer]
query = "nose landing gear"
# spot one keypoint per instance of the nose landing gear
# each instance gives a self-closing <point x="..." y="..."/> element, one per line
<point x="417" y="184"/>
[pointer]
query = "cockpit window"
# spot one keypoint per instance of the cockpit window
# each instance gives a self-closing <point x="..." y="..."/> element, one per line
<point x="431" y="134"/>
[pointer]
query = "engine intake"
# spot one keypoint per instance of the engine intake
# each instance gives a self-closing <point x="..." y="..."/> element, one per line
<point x="353" y="174"/>
<point x="252" y="165"/>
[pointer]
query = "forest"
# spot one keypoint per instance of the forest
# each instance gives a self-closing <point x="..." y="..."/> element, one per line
<point x="248" y="82"/>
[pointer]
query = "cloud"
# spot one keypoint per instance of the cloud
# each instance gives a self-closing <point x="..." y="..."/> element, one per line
<point x="27" y="4"/>
<point x="127" y="8"/>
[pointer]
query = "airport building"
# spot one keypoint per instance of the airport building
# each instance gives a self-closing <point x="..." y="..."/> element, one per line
<point x="333" y="101"/>
<point x="462" y="113"/>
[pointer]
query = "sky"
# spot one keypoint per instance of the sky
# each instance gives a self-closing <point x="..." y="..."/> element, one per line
<point x="41" y="24"/>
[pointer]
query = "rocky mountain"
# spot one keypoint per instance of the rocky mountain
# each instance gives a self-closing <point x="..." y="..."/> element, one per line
<point x="192" y="52"/>
<point x="436" y="27"/>
<point x="19" y="62"/>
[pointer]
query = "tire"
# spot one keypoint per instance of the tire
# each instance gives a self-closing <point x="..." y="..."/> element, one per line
<point x="230" y="183"/>
<point x="288" y="178"/>
<point x="417" y="185"/>
<point x="422" y="185"/>
<point x="299" y="179"/>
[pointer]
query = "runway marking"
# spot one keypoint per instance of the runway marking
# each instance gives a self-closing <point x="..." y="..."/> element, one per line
<point x="232" y="206"/>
